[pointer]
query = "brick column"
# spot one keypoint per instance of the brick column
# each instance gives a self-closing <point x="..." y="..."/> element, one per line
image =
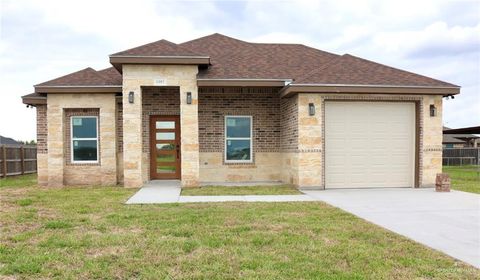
<point x="55" y="143"/>
<point x="189" y="135"/>
<point x="132" y="135"/>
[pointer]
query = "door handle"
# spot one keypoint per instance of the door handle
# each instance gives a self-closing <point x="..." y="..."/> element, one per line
<point x="178" y="152"/>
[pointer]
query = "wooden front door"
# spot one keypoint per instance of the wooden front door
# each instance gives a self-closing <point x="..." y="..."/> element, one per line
<point x="165" y="147"/>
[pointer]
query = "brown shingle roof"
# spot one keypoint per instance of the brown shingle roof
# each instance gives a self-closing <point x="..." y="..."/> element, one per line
<point x="349" y="69"/>
<point x="158" y="48"/>
<point x="235" y="59"/>
<point x="87" y="77"/>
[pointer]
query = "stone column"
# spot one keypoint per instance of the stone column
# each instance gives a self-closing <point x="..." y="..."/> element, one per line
<point x="431" y="163"/>
<point x="189" y="135"/>
<point x="132" y="135"/>
<point x="108" y="142"/>
<point x="309" y="142"/>
<point x="55" y="142"/>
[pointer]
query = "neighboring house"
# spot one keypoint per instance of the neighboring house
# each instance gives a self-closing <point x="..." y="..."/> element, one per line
<point x="8" y="141"/>
<point x="217" y="109"/>
<point x="459" y="140"/>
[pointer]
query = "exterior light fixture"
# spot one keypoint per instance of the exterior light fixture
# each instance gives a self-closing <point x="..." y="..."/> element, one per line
<point x="189" y="98"/>
<point x="311" y="109"/>
<point x="130" y="97"/>
<point x="433" y="110"/>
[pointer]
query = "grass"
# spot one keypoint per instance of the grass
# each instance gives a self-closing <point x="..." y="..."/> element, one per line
<point x="243" y="190"/>
<point x="88" y="233"/>
<point x="19" y="181"/>
<point x="464" y="178"/>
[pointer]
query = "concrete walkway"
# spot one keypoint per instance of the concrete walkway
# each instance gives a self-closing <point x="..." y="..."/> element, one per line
<point x="448" y="222"/>
<point x="169" y="192"/>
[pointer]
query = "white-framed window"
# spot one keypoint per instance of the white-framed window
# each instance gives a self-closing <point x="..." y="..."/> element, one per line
<point x="238" y="139"/>
<point x="84" y="139"/>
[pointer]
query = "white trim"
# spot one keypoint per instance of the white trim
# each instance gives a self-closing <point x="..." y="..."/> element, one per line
<point x="80" y="139"/>
<point x="238" y="138"/>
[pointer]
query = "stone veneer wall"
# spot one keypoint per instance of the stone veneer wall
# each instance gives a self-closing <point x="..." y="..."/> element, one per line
<point x="42" y="150"/>
<point x="59" y="173"/>
<point x="431" y="141"/>
<point x="136" y="161"/>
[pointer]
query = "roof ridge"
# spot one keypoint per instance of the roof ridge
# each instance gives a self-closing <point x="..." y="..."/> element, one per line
<point x="215" y="34"/>
<point x="155" y="43"/>
<point x="397" y="69"/>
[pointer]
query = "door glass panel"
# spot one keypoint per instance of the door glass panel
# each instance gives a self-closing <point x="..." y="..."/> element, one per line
<point x="165" y="147"/>
<point x="166" y="158"/>
<point x="165" y="124"/>
<point x="165" y="136"/>
<point x="166" y="169"/>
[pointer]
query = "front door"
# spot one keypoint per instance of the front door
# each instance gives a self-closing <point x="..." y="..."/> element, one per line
<point x="164" y="147"/>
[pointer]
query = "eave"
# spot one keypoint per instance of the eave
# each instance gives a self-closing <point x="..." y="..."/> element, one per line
<point x="78" y="89"/>
<point x="118" y="60"/>
<point x="293" y="89"/>
<point x="242" y="82"/>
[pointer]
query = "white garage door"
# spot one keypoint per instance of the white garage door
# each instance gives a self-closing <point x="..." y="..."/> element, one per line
<point x="369" y="144"/>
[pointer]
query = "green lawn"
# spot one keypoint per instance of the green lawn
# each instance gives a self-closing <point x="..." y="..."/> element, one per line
<point x="241" y="190"/>
<point x="88" y="233"/>
<point x="464" y="178"/>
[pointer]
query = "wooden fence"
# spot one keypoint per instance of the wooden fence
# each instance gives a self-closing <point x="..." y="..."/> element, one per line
<point x="461" y="156"/>
<point x="17" y="160"/>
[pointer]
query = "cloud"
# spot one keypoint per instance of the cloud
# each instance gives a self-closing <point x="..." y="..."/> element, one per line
<point x="40" y="40"/>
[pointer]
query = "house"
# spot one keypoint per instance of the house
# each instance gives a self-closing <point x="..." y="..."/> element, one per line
<point x="217" y="109"/>
<point x="459" y="140"/>
<point x="8" y="141"/>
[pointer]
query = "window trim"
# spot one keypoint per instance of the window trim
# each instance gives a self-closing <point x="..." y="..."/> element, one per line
<point x="79" y="139"/>
<point x="238" y="138"/>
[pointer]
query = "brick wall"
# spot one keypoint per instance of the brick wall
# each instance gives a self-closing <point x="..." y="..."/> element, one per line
<point x="68" y="113"/>
<point x="119" y="121"/>
<point x="261" y="103"/>
<point x="158" y="101"/>
<point x="42" y="130"/>
<point x="289" y="124"/>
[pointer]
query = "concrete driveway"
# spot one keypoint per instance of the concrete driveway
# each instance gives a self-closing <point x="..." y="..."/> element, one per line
<point x="448" y="222"/>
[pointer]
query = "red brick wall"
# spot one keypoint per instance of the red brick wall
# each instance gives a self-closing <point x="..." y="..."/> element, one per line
<point x="42" y="130"/>
<point x="261" y="103"/>
<point x="158" y="101"/>
<point x="289" y="124"/>
<point x="119" y="121"/>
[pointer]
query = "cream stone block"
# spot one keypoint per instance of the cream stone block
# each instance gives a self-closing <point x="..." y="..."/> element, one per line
<point x="60" y="173"/>
<point x="42" y="169"/>
<point x="183" y="76"/>
<point x="266" y="168"/>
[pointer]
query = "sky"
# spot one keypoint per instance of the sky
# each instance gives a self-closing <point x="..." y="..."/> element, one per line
<point x="41" y="40"/>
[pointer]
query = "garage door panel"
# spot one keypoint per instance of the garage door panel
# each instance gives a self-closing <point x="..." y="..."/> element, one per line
<point x="369" y="144"/>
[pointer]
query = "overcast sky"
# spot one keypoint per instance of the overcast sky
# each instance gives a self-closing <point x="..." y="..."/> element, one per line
<point x="41" y="40"/>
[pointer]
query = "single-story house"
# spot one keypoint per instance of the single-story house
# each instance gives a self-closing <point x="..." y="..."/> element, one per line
<point x="218" y="109"/>
<point x="459" y="140"/>
<point x="8" y="141"/>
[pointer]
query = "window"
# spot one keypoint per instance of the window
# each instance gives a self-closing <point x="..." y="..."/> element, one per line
<point x="238" y="139"/>
<point x="84" y="136"/>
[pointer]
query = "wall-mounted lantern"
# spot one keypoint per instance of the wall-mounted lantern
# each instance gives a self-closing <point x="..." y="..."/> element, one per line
<point x="189" y="98"/>
<point x="311" y="109"/>
<point x="130" y="97"/>
<point x="433" y="110"/>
